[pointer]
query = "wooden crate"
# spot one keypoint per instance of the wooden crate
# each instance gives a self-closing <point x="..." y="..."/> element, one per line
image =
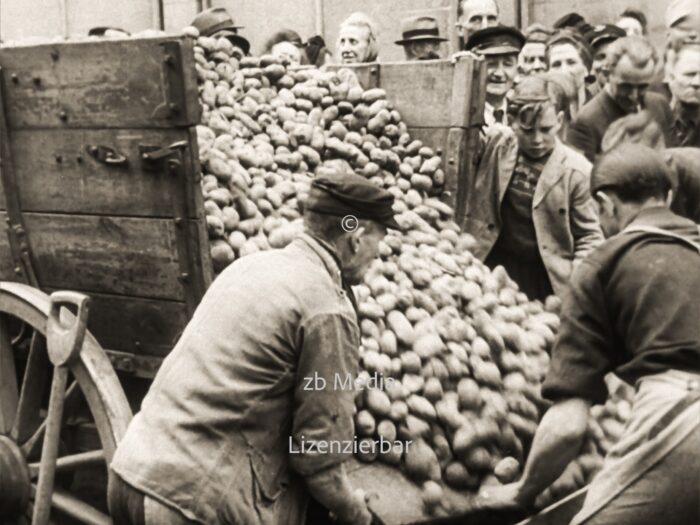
<point x="442" y="103"/>
<point x="130" y="235"/>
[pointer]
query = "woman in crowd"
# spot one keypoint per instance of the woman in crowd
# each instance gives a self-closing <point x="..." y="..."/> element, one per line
<point x="568" y="52"/>
<point x="531" y="209"/>
<point x="287" y="46"/>
<point x="357" y="40"/>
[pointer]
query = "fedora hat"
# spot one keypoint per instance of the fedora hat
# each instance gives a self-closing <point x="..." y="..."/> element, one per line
<point x="419" y="28"/>
<point x="218" y="20"/>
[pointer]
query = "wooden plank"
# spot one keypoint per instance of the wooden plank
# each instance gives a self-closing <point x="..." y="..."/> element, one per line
<point x="98" y="84"/>
<point x="49" y="162"/>
<point x="418" y="90"/>
<point x="115" y="255"/>
<point x="148" y="327"/>
<point x="397" y="500"/>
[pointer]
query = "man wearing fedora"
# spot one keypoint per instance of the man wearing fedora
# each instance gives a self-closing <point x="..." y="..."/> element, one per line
<point x="217" y="22"/>
<point x="420" y="38"/>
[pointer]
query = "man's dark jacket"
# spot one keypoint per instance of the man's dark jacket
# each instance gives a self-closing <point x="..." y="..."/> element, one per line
<point x="587" y="130"/>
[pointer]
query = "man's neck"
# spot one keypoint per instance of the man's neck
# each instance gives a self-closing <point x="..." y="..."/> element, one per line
<point x="632" y="214"/>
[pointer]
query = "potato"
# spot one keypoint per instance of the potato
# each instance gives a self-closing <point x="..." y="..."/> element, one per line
<point x="365" y="423"/>
<point x="421" y="462"/>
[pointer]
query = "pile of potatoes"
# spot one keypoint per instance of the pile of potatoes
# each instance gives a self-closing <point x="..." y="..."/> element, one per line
<point x="266" y="131"/>
<point x="460" y="351"/>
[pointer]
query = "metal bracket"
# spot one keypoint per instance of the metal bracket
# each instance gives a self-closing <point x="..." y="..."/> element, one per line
<point x="153" y="157"/>
<point x="16" y="232"/>
<point x="173" y="87"/>
<point x="133" y="364"/>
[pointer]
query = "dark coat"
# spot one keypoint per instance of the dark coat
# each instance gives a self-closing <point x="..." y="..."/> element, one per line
<point x="586" y="131"/>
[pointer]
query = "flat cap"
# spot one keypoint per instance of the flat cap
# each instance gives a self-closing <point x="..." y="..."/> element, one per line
<point x="631" y="166"/>
<point x="343" y="194"/>
<point x="496" y="40"/>
<point x="419" y="28"/>
<point x="603" y="34"/>
<point x="218" y="20"/>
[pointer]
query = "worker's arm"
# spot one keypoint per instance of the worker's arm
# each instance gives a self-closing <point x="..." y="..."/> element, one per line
<point x="581" y="357"/>
<point x="324" y="405"/>
<point x="556" y="443"/>
<point x="332" y="489"/>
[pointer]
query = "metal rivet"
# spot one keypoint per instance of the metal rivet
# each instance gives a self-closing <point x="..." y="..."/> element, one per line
<point x="59" y="159"/>
<point x="183" y="277"/>
<point x="63" y="116"/>
<point x="178" y="222"/>
<point x="168" y="59"/>
<point x="37" y="81"/>
<point x="18" y="270"/>
<point x="451" y="160"/>
<point x="14" y="78"/>
<point x="173" y="108"/>
<point x="79" y="159"/>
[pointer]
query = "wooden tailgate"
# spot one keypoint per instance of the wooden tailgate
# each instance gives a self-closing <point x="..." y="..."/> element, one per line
<point x="99" y="218"/>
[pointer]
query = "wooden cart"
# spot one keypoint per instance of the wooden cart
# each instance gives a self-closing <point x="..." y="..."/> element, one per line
<point x="101" y="195"/>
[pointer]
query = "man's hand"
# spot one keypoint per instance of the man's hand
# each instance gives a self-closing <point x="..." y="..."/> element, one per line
<point x="503" y="497"/>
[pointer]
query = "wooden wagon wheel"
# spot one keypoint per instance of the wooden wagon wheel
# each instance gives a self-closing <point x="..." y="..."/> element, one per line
<point x="93" y="400"/>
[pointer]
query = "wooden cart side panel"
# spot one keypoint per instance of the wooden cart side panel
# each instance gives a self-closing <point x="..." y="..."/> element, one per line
<point x="119" y="255"/>
<point x="199" y="254"/>
<point x="101" y="84"/>
<point x="420" y="91"/>
<point x="147" y="327"/>
<point x="55" y="173"/>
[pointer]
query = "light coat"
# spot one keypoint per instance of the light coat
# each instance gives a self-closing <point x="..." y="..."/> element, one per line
<point x="566" y="223"/>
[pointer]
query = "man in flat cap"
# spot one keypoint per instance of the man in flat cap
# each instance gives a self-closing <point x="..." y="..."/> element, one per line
<point x="500" y="47"/>
<point x="245" y="419"/>
<point x="532" y="57"/>
<point x="420" y="38"/>
<point x="217" y="22"/>
<point x="599" y="39"/>
<point x="631" y="309"/>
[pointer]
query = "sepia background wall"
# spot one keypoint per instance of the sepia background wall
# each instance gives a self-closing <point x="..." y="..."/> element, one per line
<point x="22" y="19"/>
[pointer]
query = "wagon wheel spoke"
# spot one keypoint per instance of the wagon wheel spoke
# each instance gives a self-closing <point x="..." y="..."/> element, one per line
<point x="71" y="506"/>
<point x="8" y="379"/>
<point x="27" y="418"/>
<point x="31" y="446"/>
<point x="72" y="462"/>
